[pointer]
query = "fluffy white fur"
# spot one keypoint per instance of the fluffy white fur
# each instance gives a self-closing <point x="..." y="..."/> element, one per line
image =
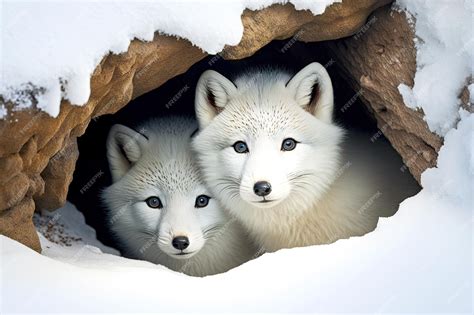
<point x="318" y="195"/>
<point x="156" y="161"/>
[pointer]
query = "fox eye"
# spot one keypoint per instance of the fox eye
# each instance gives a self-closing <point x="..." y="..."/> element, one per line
<point x="202" y="201"/>
<point x="241" y="147"/>
<point x="154" y="202"/>
<point x="289" y="144"/>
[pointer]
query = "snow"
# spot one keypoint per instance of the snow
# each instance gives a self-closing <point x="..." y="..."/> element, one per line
<point x="67" y="227"/>
<point x="3" y="111"/>
<point x="419" y="260"/>
<point x="471" y="93"/>
<point x="454" y="175"/>
<point x="445" y="55"/>
<point x="316" y="7"/>
<point x="52" y="45"/>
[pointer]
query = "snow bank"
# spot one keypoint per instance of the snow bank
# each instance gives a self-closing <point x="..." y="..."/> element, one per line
<point x="445" y="55"/>
<point x="54" y="45"/>
<point x="420" y="260"/>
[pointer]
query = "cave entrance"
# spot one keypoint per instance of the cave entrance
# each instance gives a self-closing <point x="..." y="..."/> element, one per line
<point x="177" y="97"/>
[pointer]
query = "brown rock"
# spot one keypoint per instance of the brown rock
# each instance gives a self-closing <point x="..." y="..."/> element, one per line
<point x="17" y="224"/>
<point x="58" y="175"/>
<point x="36" y="186"/>
<point x="28" y="152"/>
<point x="376" y="60"/>
<point x="278" y="22"/>
<point x="13" y="191"/>
<point x="10" y="166"/>
<point x="465" y="97"/>
<point x="38" y="152"/>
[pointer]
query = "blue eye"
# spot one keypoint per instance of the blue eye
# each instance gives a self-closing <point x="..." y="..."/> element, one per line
<point x="154" y="202"/>
<point x="202" y="201"/>
<point x="288" y="144"/>
<point x="241" y="147"/>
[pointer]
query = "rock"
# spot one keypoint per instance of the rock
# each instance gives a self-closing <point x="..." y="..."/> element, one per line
<point x="17" y="187"/>
<point x="465" y="97"/>
<point x="17" y="223"/>
<point x="281" y="22"/>
<point x="10" y="166"/>
<point x="59" y="175"/>
<point x="38" y="152"/>
<point x="375" y="61"/>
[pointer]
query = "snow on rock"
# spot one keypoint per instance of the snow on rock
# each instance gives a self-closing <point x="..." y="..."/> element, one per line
<point x="3" y="111"/>
<point x="316" y="7"/>
<point x="454" y="175"/>
<point x="51" y="48"/>
<point x="445" y="54"/>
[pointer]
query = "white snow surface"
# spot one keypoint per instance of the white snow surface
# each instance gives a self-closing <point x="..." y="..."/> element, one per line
<point x="56" y="45"/>
<point x="419" y="260"/>
<point x="445" y="55"/>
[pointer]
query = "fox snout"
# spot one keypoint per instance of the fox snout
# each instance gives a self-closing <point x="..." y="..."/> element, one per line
<point x="262" y="188"/>
<point x="180" y="242"/>
<point x="179" y="238"/>
<point x="264" y="193"/>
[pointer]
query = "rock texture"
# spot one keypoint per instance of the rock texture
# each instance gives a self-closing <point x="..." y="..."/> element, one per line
<point x="38" y="153"/>
<point x="281" y="22"/>
<point x="376" y="60"/>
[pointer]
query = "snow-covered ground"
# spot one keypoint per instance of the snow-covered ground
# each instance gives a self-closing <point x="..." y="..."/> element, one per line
<point x="419" y="260"/>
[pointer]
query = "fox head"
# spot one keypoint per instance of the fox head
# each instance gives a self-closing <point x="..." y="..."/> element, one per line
<point x="158" y="207"/>
<point x="267" y="141"/>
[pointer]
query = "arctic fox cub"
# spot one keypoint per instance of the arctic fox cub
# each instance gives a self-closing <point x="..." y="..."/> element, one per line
<point x="269" y="150"/>
<point x="158" y="207"/>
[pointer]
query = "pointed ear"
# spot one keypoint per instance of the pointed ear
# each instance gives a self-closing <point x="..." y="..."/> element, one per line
<point x="312" y="89"/>
<point x="213" y="92"/>
<point x="125" y="146"/>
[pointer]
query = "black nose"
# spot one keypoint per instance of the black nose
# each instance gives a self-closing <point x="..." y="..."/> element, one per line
<point x="262" y="188"/>
<point x="180" y="242"/>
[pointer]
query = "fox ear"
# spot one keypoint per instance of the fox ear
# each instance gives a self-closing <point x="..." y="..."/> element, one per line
<point x="213" y="92"/>
<point x="312" y="89"/>
<point x="125" y="146"/>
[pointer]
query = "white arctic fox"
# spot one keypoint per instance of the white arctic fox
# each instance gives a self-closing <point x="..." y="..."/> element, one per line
<point x="158" y="207"/>
<point x="271" y="153"/>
